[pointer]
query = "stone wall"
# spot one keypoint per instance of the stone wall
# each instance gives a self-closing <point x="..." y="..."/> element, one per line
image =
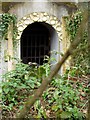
<point x="41" y="17"/>
<point x="51" y="8"/>
<point x="30" y="12"/>
<point x="3" y="63"/>
<point x="48" y="12"/>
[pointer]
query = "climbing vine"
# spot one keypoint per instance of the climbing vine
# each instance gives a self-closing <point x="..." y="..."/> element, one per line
<point x="79" y="59"/>
<point x="5" y="21"/>
<point x="73" y="23"/>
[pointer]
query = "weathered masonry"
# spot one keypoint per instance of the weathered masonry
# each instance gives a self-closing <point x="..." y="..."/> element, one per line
<point x="40" y="31"/>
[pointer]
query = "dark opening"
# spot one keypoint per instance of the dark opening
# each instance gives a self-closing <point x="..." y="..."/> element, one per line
<point x="35" y="43"/>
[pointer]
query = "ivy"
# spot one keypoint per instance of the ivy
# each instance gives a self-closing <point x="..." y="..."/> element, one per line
<point x="79" y="59"/>
<point x="73" y="23"/>
<point x="5" y="21"/>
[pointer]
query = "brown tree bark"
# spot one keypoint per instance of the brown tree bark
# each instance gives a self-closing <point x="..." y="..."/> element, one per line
<point x="55" y="70"/>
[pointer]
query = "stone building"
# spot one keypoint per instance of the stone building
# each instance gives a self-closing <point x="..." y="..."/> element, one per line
<point x="39" y="30"/>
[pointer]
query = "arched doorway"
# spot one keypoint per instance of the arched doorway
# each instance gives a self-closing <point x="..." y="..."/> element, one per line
<point x="35" y="43"/>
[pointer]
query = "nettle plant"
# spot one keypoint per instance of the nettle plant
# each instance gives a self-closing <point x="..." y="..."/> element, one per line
<point x="62" y="96"/>
<point x="18" y="84"/>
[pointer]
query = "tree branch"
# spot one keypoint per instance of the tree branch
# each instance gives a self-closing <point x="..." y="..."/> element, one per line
<point x="55" y="70"/>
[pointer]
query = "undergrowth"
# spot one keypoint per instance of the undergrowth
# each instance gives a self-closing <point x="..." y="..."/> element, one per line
<point x="64" y="97"/>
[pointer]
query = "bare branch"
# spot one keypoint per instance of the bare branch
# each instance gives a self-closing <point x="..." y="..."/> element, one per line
<point x="55" y="70"/>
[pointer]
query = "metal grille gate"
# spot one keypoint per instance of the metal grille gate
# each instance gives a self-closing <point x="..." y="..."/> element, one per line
<point x="35" y="43"/>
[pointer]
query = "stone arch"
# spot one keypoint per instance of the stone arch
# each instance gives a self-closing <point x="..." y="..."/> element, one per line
<point x="39" y="17"/>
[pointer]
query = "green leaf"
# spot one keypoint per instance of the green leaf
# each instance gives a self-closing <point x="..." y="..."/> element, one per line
<point x="55" y="107"/>
<point x="7" y="90"/>
<point x="65" y="115"/>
